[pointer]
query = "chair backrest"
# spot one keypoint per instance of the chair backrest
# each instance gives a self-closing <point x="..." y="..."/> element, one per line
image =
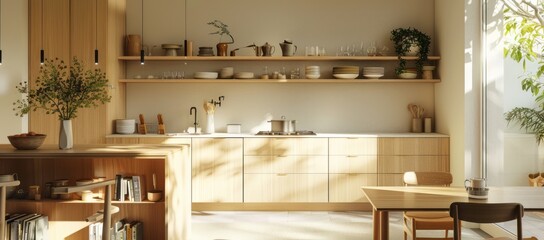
<point x="427" y="178"/>
<point x="485" y="213"/>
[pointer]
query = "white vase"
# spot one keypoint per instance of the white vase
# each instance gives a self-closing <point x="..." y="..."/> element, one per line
<point x="210" y="125"/>
<point x="66" y="139"/>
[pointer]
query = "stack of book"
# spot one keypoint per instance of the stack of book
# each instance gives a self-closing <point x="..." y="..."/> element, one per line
<point x="122" y="230"/>
<point x="26" y="226"/>
<point x="128" y="188"/>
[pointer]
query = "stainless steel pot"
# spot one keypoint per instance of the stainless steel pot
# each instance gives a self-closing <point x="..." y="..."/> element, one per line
<point x="283" y="125"/>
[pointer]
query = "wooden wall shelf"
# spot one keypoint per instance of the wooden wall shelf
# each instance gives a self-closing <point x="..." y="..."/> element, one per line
<point x="272" y="58"/>
<point x="279" y="80"/>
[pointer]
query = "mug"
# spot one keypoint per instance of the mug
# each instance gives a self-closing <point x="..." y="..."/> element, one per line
<point x="10" y="191"/>
<point x="288" y="49"/>
<point x="475" y="183"/>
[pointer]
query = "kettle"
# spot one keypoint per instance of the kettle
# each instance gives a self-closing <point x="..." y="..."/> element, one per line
<point x="267" y="49"/>
<point x="288" y="48"/>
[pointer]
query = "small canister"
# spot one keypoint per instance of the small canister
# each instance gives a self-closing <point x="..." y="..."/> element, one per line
<point x="60" y="183"/>
<point x="47" y="190"/>
<point x="32" y="191"/>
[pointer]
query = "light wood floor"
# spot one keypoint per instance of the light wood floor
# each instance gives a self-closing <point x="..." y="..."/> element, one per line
<point x="313" y="225"/>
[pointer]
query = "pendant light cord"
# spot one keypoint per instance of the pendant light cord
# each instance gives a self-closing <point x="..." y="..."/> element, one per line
<point x="42" y="52"/>
<point x="142" y="53"/>
<point x="96" y="33"/>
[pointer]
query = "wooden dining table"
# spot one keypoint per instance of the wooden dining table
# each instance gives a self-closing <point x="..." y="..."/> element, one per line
<point x="386" y="199"/>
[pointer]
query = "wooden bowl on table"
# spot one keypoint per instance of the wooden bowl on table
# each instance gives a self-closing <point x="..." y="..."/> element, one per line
<point x="27" y="141"/>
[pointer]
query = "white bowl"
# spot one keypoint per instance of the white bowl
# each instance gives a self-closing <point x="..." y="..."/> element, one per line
<point x="346" y="75"/>
<point x="408" y="75"/>
<point x="313" y="76"/>
<point x="373" y="76"/>
<point x="244" y="75"/>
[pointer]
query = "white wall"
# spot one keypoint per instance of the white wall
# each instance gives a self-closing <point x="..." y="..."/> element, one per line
<point x="14" y="64"/>
<point x="318" y="107"/>
<point x="457" y="96"/>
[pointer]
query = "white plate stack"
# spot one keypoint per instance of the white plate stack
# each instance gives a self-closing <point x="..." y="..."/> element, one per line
<point x="312" y="72"/>
<point x="373" y="72"/>
<point x="125" y="126"/>
<point x="206" y="75"/>
<point x="226" y="72"/>
<point x="345" y="72"/>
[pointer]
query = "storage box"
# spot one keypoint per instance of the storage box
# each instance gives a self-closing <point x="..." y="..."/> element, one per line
<point x="234" y="128"/>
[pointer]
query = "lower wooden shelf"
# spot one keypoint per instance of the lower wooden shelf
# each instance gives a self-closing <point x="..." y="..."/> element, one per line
<point x="156" y="80"/>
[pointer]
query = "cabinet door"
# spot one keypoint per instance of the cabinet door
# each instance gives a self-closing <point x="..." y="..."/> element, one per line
<point x="217" y="169"/>
<point x="353" y="146"/>
<point x="257" y="147"/>
<point x="347" y="187"/>
<point x="285" y="188"/>
<point x="401" y="164"/>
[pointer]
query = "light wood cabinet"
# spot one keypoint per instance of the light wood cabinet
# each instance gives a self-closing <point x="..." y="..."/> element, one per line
<point x="217" y="169"/>
<point x="75" y="29"/>
<point x="353" y="162"/>
<point x="398" y="155"/>
<point x="285" y="169"/>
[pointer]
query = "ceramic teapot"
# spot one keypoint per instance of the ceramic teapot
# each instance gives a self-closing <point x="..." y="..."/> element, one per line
<point x="267" y="49"/>
<point x="288" y="48"/>
<point x="10" y="191"/>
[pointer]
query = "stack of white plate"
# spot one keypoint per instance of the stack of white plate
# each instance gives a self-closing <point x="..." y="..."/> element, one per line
<point x="226" y="72"/>
<point x="125" y="126"/>
<point x="312" y="72"/>
<point x="206" y="75"/>
<point x="345" y="72"/>
<point x="244" y="75"/>
<point x="373" y="72"/>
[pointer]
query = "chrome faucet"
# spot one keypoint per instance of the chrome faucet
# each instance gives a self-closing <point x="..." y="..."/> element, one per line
<point x="191" y="113"/>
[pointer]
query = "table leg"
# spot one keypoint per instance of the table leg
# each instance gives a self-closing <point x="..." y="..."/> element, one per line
<point x="380" y="224"/>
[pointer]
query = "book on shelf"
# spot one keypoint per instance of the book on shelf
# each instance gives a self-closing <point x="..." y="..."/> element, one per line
<point x="121" y="230"/>
<point x="128" y="188"/>
<point x="27" y="226"/>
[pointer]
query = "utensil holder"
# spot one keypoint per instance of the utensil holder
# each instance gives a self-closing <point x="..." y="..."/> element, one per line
<point x="210" y="124"/>
<point x="417" y="125"/>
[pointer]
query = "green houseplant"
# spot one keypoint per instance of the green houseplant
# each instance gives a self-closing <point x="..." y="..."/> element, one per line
<point x="524" y="40"/>
<point x="63" y="90"/>
<point x="407" y="39"/>
<point x="222" y="47"/>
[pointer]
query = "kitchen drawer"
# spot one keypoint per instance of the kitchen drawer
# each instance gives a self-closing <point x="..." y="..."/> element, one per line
<point x="401" y="164"/>
<point x="285" y="146"/>
<point x="353" y="146"/>
<point x="285" y="188"/>
<point x="413" y="146"/>
<point x="285" y="164"/>
<point x="165" y="140"/>
<point x="353" y="164"/>
<point x="347" y="187"/>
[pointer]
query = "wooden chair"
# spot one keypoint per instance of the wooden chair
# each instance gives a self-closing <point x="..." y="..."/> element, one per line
<point x="486" y="213"/>
<point x="435" y="220"/>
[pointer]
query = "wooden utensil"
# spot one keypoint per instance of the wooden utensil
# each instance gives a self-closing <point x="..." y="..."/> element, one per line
<point x="161" y="128"/>
<point x="141" y="127"/>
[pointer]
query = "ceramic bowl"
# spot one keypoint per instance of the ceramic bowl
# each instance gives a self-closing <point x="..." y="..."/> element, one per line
<point x="27" y="142"/>
<point x="346" y="75"/>
<point x="408" y="75"/>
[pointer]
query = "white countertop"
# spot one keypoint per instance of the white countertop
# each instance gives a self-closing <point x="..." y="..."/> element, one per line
<point x="249" y="135"/>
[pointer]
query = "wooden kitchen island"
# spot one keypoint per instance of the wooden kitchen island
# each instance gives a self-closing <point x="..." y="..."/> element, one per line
<point x="168" y="218"/>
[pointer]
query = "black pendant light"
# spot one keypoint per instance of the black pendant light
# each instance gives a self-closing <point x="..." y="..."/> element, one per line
<point x="96" y="33"/>
<point x="142" y="60"/>
<point x="0" y="32"/>
<point x="42" y="52"/>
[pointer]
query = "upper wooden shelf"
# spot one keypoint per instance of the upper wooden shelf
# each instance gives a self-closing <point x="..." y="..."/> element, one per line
<point x="272" y="58"/>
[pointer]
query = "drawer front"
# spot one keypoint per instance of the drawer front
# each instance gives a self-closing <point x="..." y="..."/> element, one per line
<point x="165" y="140"/>
<point x="347" y="187"/>
<point x="285" y="188"/>
<point x="353" y="164"/>
<point x="401" y="164"/>
<point x="286" y="164"/>
<point x="413" y="146"/>
<point x="285" y="146"/>
<point x="353" y="146"/>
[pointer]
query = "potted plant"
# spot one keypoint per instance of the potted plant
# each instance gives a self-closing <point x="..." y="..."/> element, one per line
<point x="410" y="41"/>
<point x="222" y="47"/>
<point x="63" y="91"/>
